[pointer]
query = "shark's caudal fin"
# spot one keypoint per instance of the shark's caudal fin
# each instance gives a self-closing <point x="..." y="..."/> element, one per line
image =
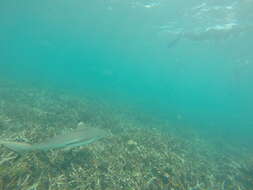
<point x="17" y="146"/>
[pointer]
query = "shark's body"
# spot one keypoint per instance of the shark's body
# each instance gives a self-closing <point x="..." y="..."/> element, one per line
<point x="78" y="137"/>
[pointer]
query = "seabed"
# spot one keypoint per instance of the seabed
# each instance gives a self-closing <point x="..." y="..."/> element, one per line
<point x="138" y="155"/>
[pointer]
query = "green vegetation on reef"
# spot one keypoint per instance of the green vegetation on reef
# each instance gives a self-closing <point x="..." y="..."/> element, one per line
<point x="138" y="155"/>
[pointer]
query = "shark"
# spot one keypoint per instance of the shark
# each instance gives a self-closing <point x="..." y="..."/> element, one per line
<point x="78" y="137"/>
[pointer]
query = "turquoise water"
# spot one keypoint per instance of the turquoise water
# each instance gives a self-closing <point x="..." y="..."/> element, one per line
<point x="127" y="52"/>
<point x="168" y="82"/>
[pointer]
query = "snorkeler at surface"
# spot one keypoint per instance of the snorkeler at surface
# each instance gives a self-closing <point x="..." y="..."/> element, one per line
<point x="214" y="33"/>
<point x="232" y="20"/>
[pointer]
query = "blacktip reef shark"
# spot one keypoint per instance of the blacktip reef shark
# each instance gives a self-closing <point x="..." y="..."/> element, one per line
<point x="81" y="136"/>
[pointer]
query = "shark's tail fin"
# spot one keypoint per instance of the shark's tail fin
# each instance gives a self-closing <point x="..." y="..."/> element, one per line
<point x="17" y="146"/>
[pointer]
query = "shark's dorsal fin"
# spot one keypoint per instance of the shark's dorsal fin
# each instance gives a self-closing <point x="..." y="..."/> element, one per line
<point x="81" y="125"/>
